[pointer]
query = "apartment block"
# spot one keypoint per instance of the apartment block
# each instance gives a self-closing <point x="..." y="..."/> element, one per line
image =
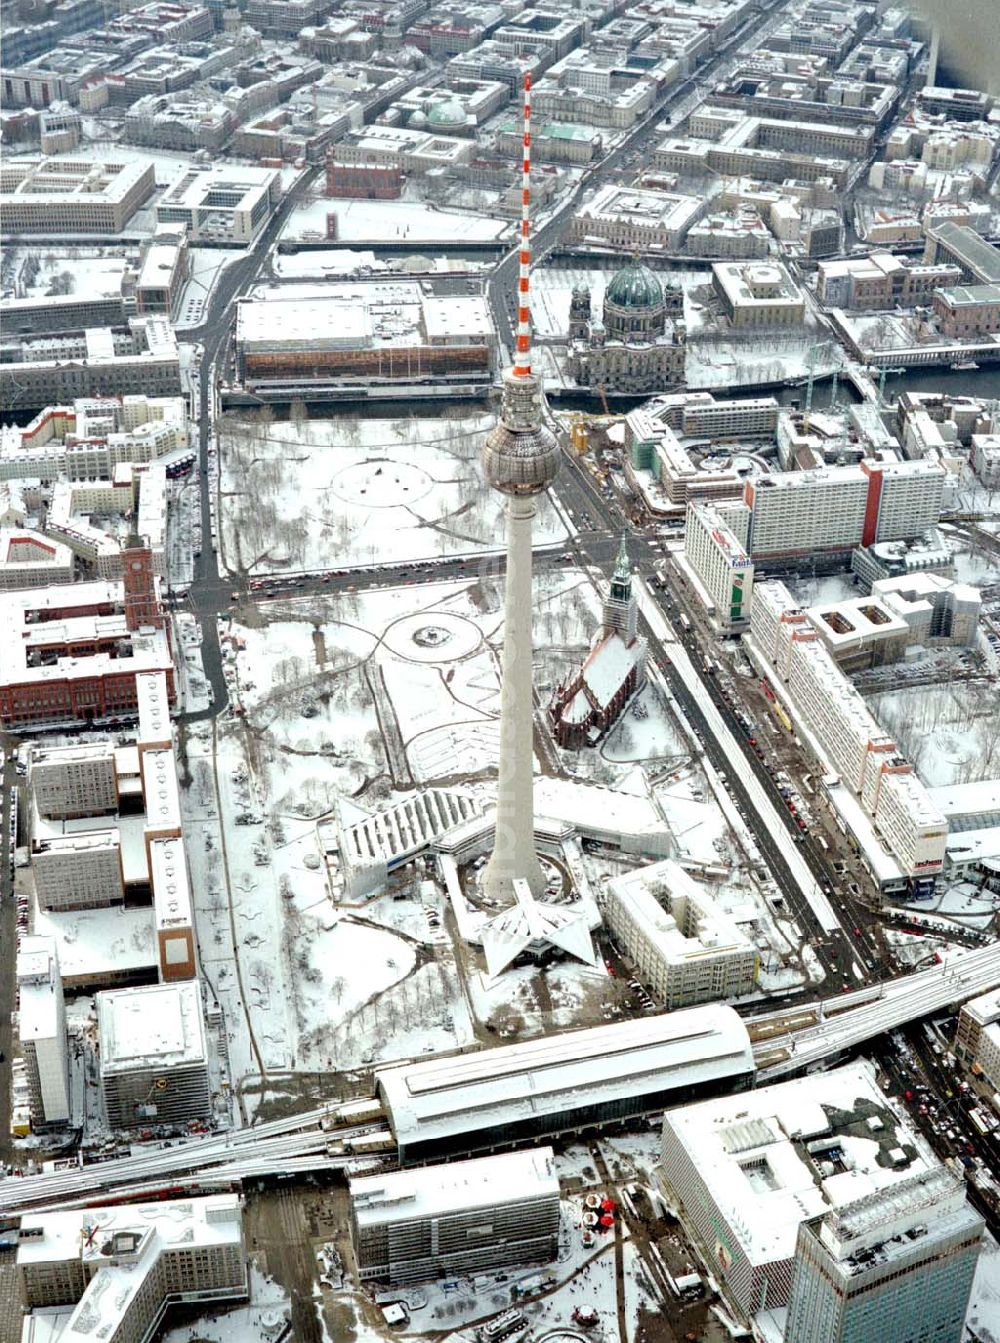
<point x="154" y="1055"/>
<point x="868" y="762"/>
<point x="139" y="359"/>
<point x="834" y="509"/>
<point x="71" y="781"/>
<point x="973" y="1019"/>
<point x="463" y="1218"/>
<point x="78" y="871"/>
<point x="41" y="1029"/>
<point x="89" y="438"/>
<point x="121" y="1267"/>
<point x="717" y="555"/>
<point x="986" y="459"/>
<point x="681" y="946"/>
<point x="806" y="512"/>
<point x="30" y="560"/>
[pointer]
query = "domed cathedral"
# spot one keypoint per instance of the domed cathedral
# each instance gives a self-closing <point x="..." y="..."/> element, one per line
<point x="639" y="345"/>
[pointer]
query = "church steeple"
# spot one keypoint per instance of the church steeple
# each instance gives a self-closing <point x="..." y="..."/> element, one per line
<point x="620" y="606"/>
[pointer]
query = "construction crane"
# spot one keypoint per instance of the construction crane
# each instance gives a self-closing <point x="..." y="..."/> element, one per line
<point x="883" y="371"/>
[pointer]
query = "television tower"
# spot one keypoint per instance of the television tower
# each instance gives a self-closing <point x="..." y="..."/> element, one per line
<point x="520" y="458"/>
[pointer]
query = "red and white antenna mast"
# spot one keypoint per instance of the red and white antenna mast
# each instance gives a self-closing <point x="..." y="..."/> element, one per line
<point x="522" y="357"/>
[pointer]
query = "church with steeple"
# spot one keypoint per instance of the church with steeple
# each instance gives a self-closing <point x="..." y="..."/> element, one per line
<point x="588" y="703"/>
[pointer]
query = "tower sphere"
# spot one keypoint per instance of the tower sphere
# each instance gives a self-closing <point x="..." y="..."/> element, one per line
<point x="520" y="454"/>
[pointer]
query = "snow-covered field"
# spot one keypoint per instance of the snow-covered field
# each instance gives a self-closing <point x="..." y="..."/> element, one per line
<point x="392" y="221"/>
<point x="318" y="493"/>
<point x="82" y="271"/>
<point x="950" y="732"/>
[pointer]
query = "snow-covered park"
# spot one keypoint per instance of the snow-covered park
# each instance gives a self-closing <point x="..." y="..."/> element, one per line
<point x="314" y="494"/>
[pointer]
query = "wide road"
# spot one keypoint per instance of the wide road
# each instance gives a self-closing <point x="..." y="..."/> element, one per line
<point x="678" y="102"/>
<point x="8" y="943"/>
<point x="209" y="592"/>
<point x="840" y="955"/>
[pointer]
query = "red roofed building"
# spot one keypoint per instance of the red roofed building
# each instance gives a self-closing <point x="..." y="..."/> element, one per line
<point x="591" y="701"/>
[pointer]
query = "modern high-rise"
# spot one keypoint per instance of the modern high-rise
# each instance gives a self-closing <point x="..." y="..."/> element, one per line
<point x="896" y="1266"/>
<point x="154" y="1054"/>
<point x="409" y="1226"/>
<point x="42" y="1030"/>
<point x="520" y="458"/>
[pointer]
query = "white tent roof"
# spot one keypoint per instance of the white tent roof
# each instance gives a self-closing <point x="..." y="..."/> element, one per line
<point x="527" y="923"/>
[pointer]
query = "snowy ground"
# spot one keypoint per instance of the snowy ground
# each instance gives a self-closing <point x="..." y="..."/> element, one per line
<point x="260" y="1320"/>
<point x="392" y="221"/>
<point x="207" y="264"/>
<point x="355" y="491"/>
<point x="82" y="271"/>
<point x="336" y="262"/>
<point x="950" y="732"/>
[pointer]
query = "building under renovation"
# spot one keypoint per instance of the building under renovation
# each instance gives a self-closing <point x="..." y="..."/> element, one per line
<point x="365" y="335"/>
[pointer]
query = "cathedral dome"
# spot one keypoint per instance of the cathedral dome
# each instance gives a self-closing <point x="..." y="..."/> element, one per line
<point x="635" y="286"/>
<point x="449" y="115"/>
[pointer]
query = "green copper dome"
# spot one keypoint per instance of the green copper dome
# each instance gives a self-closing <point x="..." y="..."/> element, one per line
<point x="449" y="113"/>
<point x="635" y="286"/>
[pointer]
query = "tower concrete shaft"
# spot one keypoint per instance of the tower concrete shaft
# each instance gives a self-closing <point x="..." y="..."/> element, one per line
<point x="520" y="458"/>
<point x="514" y="852"/>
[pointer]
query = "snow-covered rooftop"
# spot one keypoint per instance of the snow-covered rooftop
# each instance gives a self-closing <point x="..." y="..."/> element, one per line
<point x="528" y="924"/>
<point x="751" y="1153"/>
<point x="706" y="930"/>
<point x="38" y="984"/>
<point x="444" y="1098"/>
<point x="94" y="943"/>
<point x="460" y="1186"/>
<point x="162" y="1025"/>
<point x="122" y="1246"/>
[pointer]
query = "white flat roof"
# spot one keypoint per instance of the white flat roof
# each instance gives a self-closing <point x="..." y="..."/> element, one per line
<point x="590" y="807"/>
<point x="171" y="886"/>
<point x="967" y="799"/>
<point x="93" y="942"/>
<point x="155" y="1228"/>
<point x="154" y="708"/>
<point x="162" y="1025"/>
<point x="458" y="315"/>
<point x="460" y="1186"/>
<point x="302" y="322"/>
<point x="450" y="1096"/>
<point x="764" y="1184"/>
<point x="39" y="1001"/>
<point x="160" y="789"/>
